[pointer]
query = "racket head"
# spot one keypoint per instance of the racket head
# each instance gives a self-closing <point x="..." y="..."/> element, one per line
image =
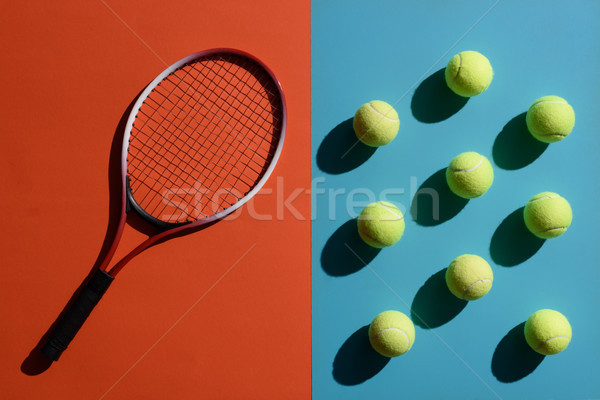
<point x="202" y="138"/>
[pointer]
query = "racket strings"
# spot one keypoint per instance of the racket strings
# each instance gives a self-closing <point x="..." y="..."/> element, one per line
<point x="209" y="138"/>
<point x="175" y="184"/>
<point x="180" y="160"/>
<point x="204" y="137"/>
<point x="236" y="149"/>
<point x="177" y="117"/>
<point x="166" y="98"/>
<point x="172" y="182"/>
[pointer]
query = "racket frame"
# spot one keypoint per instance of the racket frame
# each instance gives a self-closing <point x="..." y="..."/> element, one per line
<point x="75" y="314"/>
<point x="128" y="202"/>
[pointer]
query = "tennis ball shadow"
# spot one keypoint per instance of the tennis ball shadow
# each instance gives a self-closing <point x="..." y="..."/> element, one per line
<point x="434" y="304"/>
<point x="434" y="202"/>
<point x="514" y="146"/>
<point x="356" y="361"/>
<point x="512" y="243"/>
<point x="433" y="100"/>
<point x="513" y="359"/>
<point x="345" y="252"/>
<point x="341" y="151"/>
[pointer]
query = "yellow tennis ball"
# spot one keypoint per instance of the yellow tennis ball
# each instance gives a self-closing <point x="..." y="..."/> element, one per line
<point x="391" y="333"/>
<point x="469" y="73"/>
<point x="376" y="123"/>
<point x="547" y="215"/>
<point x="380" y="224"/>
<point x="548" y="332"/>
<point x="469" y="175"/>
<point x="550" y="119"/>
<point x="469" y="277"/>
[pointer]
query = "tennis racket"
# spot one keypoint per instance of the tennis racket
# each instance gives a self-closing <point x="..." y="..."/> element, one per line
<point x="200" y="141"/>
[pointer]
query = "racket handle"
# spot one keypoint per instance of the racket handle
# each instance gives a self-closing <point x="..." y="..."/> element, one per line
<point x="73" y="319"/>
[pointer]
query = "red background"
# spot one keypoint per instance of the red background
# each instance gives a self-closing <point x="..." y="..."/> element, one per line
<point x="175" y="323"/>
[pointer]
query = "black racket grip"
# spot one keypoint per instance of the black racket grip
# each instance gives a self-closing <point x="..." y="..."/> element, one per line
<point x="73" y="319"/>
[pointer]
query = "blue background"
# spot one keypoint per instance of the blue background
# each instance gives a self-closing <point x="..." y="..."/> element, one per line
<point x="396" y="51"/>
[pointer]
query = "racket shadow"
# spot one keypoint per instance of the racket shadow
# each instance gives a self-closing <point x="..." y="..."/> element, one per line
<point x="36" y="363"/>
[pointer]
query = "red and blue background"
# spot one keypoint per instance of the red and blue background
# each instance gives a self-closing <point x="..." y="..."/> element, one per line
<point x="277" y="309"/>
